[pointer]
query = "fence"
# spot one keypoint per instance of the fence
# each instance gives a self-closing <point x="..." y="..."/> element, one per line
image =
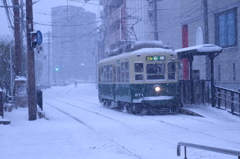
<point x="207" y="148"/>
<point x="228" y="100"/>
<point x="2" y="101"/>
<point x="195" y="92"/>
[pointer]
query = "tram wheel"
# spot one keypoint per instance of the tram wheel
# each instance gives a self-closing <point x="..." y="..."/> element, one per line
<point x="138" y="108"/>
<point x="104" y="103"/>
<point x="130" y="108"/>
<point x="108" y="104"/>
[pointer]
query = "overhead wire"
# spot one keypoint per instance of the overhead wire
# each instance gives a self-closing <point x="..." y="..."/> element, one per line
<point x="9" y="14"/>
<point x="79" y="36"/>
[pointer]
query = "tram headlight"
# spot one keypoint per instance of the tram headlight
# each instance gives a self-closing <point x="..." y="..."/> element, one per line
<point x="157" y="88"/>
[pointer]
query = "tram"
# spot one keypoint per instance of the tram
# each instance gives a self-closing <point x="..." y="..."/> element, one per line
<point x="142" y="79"/>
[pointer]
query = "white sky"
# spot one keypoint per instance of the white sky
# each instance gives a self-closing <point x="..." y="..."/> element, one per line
<point x="42" y="13"/>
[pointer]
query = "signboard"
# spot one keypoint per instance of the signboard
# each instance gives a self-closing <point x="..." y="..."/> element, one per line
<point x="155" y="58"/>
<point x="39" y="37"/>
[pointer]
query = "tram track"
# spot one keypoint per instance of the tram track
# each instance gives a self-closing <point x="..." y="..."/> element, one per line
<point x="68" y="98"/>
<point x="138" y="131"/>
<point x="118" y="145"/>
<point x="187" y="129"/>
<point x="102" y="115"/>
<point x="162" y="122"/>
<point x="156" y="120"/>
<point x="169" y="124"/>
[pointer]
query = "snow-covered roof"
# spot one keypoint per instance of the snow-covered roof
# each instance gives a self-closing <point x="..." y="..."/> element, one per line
<point x="152" y="50"/>
<point x="136" y="45"/>
<point x="20" y="78"/>
<point x="147" y="44"/>
<point x="143" y="51"/>
<point x="205" y="48"/>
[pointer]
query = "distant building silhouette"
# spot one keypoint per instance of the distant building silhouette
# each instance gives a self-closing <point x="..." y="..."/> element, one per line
<point x="74" y="44"/>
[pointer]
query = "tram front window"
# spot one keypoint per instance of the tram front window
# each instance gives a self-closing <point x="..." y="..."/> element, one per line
<point x="155" y="71"/>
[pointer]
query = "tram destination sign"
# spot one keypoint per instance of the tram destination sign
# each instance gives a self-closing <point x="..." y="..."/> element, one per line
<point x="156" y="58"/>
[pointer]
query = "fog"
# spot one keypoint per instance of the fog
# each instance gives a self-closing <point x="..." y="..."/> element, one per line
<point x="42" y="13"/>
<point x="61" y="53"/>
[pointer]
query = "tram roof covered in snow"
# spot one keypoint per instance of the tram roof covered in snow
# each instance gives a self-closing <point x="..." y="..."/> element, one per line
<point x="136" y="45"/>
<point x="140" y="52"/>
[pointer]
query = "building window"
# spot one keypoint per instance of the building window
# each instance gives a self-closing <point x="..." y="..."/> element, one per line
<point x="185" y="36"/>
<point x="234" y="72"/>
<point x="219" y="73"/>
<point x="115" y="26"/>
<point x="226" y="28"/>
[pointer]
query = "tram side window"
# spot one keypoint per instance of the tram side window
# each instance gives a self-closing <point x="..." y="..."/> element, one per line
<point x="138" y="67"/>
<point x="122" y="72"/>
<point x="155" y="71"/>
<point x="138" y="77"/>
<point x="171" y="70"/>
<point x="118" y="73"/>
<point x="104" y="73"/>
<point x="114" y="74"/>
<point x="110" y="73"/>
<point x="127" y="71"/>
<point x="107" y="80"/>
<point x="100" y="76"/>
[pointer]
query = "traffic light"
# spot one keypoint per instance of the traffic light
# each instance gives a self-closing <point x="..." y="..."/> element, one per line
<point x="33" y="38"/>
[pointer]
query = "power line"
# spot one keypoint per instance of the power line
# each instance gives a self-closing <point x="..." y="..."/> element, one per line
<point x="63" y="25"/>
<point x="74" y="15"/>
<point x="8" y="13"/>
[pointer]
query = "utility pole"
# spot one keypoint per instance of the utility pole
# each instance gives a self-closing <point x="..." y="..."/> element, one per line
<point x="155" y="19"/>
<point x="11" y="73"/>
<point x="18" y="47"/>
<point x="31" y="90"/>
<point x="206" y="34"/>
<point x="22" y="37"/>
<point x="48" y="58"/>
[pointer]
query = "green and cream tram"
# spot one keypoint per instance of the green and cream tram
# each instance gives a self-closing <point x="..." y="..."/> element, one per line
<point x="140" y="81"/>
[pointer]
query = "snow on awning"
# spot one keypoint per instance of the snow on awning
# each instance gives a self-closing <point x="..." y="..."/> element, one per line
<point x="20" y="78"/>
<point x="204" y="49"/>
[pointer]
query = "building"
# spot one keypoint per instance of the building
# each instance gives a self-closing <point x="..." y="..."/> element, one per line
<point x="74" y="44"/>
<point x="205" y="21"/>
<point x="124" y="21"/>
<point x="182" y="23"/>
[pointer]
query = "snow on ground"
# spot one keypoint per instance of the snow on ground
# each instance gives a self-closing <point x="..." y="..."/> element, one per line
<point x="78" y="127"/>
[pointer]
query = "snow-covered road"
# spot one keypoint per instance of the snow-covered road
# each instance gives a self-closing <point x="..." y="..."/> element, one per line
<point x="79" y="127"/>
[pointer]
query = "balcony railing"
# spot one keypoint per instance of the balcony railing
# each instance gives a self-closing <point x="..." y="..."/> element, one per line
<point x="228" y="100"/>
<point x="207" y="148"/>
